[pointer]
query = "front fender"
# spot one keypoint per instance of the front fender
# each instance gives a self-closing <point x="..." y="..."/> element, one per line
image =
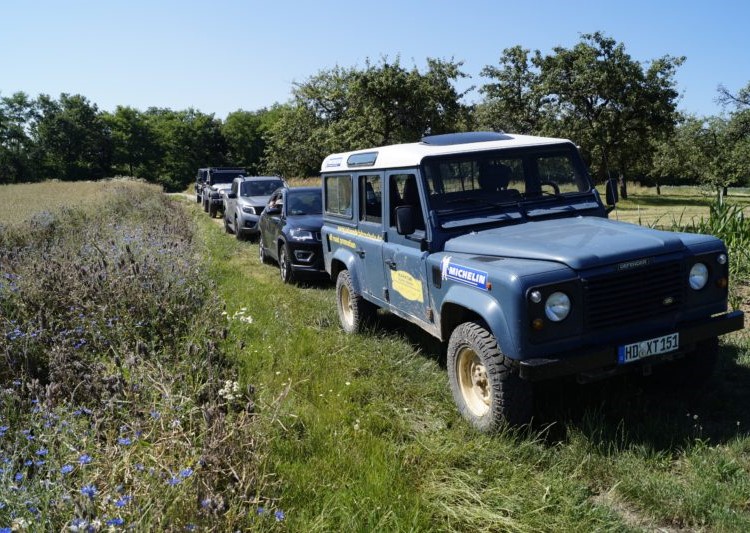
<point x="461" y="303"/>
<point x="351" y="262"/>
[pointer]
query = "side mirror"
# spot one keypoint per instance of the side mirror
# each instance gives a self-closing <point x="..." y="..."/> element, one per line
<point x="273" y="210"/>
<point x="612" y="194"/>
<point x="405" y="220"/>
<point x="232" y="195"/>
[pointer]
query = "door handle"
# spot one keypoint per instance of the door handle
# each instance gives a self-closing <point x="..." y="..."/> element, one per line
<point x="360" y="253"/>
<point x="391" y="264"/>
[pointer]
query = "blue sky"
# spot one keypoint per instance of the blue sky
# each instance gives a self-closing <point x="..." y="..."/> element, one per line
<point x="224" y="55"/>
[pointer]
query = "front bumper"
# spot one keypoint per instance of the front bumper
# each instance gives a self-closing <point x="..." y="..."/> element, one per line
<point x="307" y="259"/>
<point x="602" y="360"/>
<point x="248" y="224"/>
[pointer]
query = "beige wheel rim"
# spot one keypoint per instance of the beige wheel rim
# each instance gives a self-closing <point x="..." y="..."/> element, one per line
<point x="346" y="305"/>
<point x="473" y="382"/>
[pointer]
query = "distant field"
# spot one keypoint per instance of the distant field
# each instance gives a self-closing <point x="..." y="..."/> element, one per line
<point x="15" y="200"/>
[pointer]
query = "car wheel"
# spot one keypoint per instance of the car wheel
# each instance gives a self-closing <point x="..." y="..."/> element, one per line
<point x="485" y="383"/>
<point x="212" y="212"/>
<point x="227" y="229"/>
<point x="198" y="198"/>
<point x="205" y="206"/>
<point x="237" y="232"/>
<point x="285" y="265"/>
<point x="354" y="311"/>
<point x="262" y="251"/>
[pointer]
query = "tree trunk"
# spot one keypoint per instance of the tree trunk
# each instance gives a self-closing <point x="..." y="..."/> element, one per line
<point x="623" y="187"/>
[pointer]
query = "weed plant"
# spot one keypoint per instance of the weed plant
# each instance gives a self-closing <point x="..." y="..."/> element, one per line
<point x="117" y="406"/>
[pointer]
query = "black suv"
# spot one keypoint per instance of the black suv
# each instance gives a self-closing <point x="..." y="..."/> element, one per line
<point x="290" y="233"/>
<point x="200" y="181"/>
<point x="217" y="179"/>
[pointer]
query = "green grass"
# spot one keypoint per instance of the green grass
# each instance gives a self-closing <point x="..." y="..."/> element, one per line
<point x="360" y="433"/>
<point x="364" y="435"/>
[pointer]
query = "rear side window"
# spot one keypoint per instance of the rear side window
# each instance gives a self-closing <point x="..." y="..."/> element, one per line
<point x="338" y="195"/>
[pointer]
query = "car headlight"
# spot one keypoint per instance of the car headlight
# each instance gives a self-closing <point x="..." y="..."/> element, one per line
<point x="698" y="276"/>
<point x="248" y="209"/>
<point x="301" y="234"/>
<point x="557" y="306"/>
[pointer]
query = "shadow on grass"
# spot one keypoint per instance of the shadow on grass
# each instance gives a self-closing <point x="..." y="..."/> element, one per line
<point x="633" y="409"/>
<point x="628" y="409"/>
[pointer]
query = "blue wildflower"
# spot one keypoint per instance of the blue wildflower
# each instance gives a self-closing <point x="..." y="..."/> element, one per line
<point x="89" y="490"/>
<point x="139" y="467"/>
<point x="260" y="510"/>
<point x="115" y="521"/>
<point x="6" y="530"/>
<point x="66" y="469"/>
<point x="40" y="462"/>
<point x="42" y="451"/>
<point x="155" y="414"/>
<point x="279" y="515"/>
<point x="206" y="502"/>
<point x="187" y="472"/>
<point x="174" y="480"/>
<point x="28" y="462"/>
<point x="122" y="502"/>
<point x="18" y="477"/>
<point x="125" y="441"/>
<point x="84" y="459"/>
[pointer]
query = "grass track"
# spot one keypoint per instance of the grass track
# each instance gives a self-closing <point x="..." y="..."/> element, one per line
<point x="364" y="435"/>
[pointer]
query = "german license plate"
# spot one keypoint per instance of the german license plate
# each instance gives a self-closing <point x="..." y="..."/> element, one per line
<point x="647" y="348"/>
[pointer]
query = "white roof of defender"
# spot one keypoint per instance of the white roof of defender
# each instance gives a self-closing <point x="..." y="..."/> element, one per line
<point x="411" y="154"/>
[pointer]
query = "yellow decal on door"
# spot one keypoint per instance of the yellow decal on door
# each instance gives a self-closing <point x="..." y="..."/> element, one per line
<point x="407" y="286"/>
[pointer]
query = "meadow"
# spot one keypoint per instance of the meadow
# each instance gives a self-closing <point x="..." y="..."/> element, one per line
<point x="284" y="422"/>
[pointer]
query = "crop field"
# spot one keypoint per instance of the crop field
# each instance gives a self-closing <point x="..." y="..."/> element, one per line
<point x="283" y="422"/>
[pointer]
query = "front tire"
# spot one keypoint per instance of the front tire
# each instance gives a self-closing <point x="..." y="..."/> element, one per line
<point x="237" y="231"/>
<point x="485" y="383"/>
<point x="354" y="311"/>
<point x="227" y="229"/>
<point x="262" y="252"/>
<point x="212" y="211"/>
<point x="285" y="265"/>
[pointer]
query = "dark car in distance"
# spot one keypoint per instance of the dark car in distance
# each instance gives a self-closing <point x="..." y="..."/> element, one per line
<point x="290" y="233"/>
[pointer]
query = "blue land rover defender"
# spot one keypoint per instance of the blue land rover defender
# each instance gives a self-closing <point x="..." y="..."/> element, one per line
<point x="499" y="245"/>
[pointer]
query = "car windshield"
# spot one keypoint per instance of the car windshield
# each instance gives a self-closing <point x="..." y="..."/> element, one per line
<point x="224" y="177"/>
<point x="304" y="202"/>
<point x="259" y="187"/>
<point x="493" y="179"/>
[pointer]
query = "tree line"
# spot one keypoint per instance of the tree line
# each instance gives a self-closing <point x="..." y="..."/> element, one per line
<point x="621" y="112"/>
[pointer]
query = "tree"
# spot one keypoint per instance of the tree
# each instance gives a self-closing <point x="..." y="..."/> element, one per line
<point x="593" y="93"/>
<point x="72" y="138"/>
<point x="345" y="109"/>
<point x="16" y="146"/>
<point x="134" y="143"/>
<point x="244" y="132"/>
<point x="515" y="102"/>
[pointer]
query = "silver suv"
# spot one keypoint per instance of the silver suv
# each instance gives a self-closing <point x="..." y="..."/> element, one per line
<point x="245" y="201"/>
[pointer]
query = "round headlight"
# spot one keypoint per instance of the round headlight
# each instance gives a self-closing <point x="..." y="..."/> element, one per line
<point x="557" y="306"/>
<point x="698" y="276"/>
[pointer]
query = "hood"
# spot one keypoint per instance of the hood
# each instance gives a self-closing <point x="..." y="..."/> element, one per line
<point x="255" y="201"/>
<point x="221" y="186"/>
<point x="579" y="243"/>
<point x="310" y="222"/>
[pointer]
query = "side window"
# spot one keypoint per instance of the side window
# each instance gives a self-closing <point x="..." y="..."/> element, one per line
<point x="235" y="185"/>
<point x="338" y="191"/>
<point x="370" y="199"/>
<point x="403" y="191"/>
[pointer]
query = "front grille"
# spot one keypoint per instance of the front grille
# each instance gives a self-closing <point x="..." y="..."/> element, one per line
<point x="625" y="297"/>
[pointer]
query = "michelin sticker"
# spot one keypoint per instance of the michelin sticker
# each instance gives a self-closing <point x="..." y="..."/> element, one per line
<point x="463" y="274"/>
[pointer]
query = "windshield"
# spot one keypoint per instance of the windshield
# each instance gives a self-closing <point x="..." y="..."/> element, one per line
<point x="304" y="202"/>
<point x="224" y="177"/>
<point x="259" y="187"/>
<point x="497" y="178"/>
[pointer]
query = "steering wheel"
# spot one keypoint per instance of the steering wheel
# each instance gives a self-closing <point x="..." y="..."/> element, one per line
<point x="552" y="184"/>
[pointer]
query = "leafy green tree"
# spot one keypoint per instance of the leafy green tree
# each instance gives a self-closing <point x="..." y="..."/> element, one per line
<point x="134" y="143"/>
<point x="188" y="140"/>
<point x="345" y="109"/>
<point x="16" y="146"/>
<point x="244" y="133"/>
<point x="72" y="138"/>
<point x="515" y="102"/>
<point x="594" y="93"/>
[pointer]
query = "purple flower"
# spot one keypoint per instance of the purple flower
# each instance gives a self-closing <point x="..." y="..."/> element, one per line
<point x="174" y="480"/>
<point x="66" y="469"/>
<point x="115" y="521"/>
<point x="279" y="515"/>
<point x="42" y="451"/>
<point x="260" y="510"/>
<point x="18" y="477"/>
<point x="186" y="473"/>
<point x="125" y="441"/>
<point x="84" y="459"/>
<point x="89" y="490"/>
